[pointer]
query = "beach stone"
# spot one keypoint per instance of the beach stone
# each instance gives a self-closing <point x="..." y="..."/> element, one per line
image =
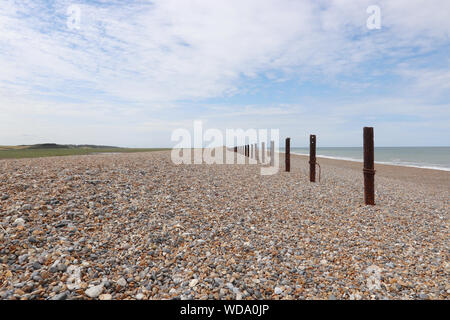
<point x="19" y="222"/>
<point x="168" y="231"/>
<point x="193" y="283"/>
<point x="60" y="296"/>
<point x="139" y="296"/>
<point x="36" y="265"/>
<point x="122" y="282"/>
<point x="32" y="240"/>
<point x="61" y="267"/>
<point x="94" y="292"/>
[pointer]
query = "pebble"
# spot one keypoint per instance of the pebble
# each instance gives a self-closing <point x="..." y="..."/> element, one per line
<point x="105" y="296"/>
<point x="218" y="232"/>
<point x="32" y="240"/>
<point x="36" y="265"/>
<point x="60" y="296"/>
<point x="19" y="222"/>
<point x="94" y="292"/>
<point x="278" y="290"/>
<point x="122" y="282"/>
<point x="193" y="283"/>
<point x="61" y="267"/>
<point x="139" y="296"/>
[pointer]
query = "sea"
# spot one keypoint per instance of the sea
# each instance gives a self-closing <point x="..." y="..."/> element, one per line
<point x="437" y="158"/>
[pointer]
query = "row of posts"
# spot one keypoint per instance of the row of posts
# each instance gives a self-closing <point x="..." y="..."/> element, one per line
<point x="251" y="151"/>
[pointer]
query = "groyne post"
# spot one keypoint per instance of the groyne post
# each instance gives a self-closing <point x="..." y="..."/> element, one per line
<point x="312" y="158"/>
<point x="368" y="170"/>
<point x="288" y="155"/>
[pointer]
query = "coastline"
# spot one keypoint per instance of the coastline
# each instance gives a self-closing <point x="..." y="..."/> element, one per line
<point x="376" y="162"/>
<point x="426" y="176"/>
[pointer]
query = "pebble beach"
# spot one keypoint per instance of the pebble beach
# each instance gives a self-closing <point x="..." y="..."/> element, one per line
<point x="137" y="226"/>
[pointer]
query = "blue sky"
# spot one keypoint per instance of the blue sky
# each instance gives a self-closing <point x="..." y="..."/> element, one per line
<point x="132" y="72"/>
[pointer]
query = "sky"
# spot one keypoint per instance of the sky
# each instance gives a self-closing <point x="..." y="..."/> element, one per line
<point x="129" y="73"/>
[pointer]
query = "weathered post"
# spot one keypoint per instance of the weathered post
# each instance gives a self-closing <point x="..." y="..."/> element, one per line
<point x="256" y="153"/>
<point x="263" y="152"/>
<point x="272" y="153"/>
<point x="288" y="155"/>
<point x="312" y="158"/>
<point x="368" y="170"/>
<point x="251" y="151"/>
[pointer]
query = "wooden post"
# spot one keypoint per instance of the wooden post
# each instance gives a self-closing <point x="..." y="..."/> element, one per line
<point x="272" y="153"/>
<point x="368" y="170"/>
<point x="288" y="155"/>
<point x="251" y="151"/>
<point x="312" y="158"/>
<point x="256" y="153"/>
<point x="263" y="152"/>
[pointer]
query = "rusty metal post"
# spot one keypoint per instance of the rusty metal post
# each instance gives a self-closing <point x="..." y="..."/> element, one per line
<point x="368" y="170"/>
<point x="312" y="158"/>
<point x="272" y="153"/>
<point x="263" y="152"/>
<point x="288" y="155"/>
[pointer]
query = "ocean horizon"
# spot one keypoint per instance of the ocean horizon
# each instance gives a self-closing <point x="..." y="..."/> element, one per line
<point x="437" y="158"/>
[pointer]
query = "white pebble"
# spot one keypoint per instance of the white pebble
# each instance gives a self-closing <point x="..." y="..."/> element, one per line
<point x="94" y="292"/>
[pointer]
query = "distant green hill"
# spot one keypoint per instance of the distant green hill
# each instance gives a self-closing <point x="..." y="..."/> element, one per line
<point x="64" y="146"/>
<point x="53" y="149"/>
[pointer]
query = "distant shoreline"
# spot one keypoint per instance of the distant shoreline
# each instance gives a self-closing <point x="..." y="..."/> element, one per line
<point x="435" y="179"/>
<point x="377" y="162"/>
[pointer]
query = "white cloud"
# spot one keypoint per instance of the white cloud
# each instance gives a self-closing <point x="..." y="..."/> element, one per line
<point x="131" y="56"/>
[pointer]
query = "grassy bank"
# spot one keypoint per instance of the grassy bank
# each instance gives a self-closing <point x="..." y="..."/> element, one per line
<point x="18" y="152"/>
